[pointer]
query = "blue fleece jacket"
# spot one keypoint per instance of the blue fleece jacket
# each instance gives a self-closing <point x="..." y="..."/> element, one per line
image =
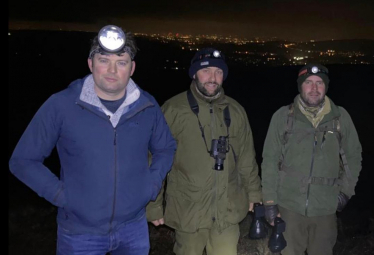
<point x="105" y="177"/>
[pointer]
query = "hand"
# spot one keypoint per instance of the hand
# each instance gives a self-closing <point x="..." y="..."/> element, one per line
<point x="271" y="211"/>
<point x="251" y="207"/>
<point x="158" y="222"/>
<point x="342" y="201"/>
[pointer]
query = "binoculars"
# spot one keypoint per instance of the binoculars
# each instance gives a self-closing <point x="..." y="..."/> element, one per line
<point x="277" y="241"/>
<point x="257" y="230"/>
<point x="218" y="152"/>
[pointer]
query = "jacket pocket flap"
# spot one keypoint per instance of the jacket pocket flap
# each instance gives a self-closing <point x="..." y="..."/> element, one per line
<point x="186" y="191"/>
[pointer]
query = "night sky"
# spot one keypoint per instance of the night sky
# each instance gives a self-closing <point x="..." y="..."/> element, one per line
<point x="287" y="19"/>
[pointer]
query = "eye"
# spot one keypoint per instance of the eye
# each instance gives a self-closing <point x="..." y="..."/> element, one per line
<point x="319" y="83"/>
<point x="103" y="60"/>
<point x="220" y="72"/>
<point x="121" y="63"/>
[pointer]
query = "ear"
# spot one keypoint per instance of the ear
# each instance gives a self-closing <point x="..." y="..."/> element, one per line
<point x="132" y="67"/>
<point x="90" y="63"/>
<point x="194" y="76"/>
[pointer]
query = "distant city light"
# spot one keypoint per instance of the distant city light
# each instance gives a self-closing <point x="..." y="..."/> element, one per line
<point x="258" y="51"/>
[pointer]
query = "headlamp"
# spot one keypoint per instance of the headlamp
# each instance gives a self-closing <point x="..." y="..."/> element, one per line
<point x="215" y="55"/>
<point x="313" y="70"/>
<point x="112" y="40"/>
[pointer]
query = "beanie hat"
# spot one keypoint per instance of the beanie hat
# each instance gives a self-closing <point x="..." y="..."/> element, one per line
<point x="208" y="57"/>
<point x="313" y="69"/>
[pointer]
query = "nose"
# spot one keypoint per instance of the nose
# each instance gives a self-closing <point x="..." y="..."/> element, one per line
<point x="314" y="86"/>
<point x="112" y="68"/>
<point x="212" y="77"/>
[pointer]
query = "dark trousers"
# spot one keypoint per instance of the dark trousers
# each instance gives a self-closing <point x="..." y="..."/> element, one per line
<point x="316" y="235"/>
<point x="215" y="242"/>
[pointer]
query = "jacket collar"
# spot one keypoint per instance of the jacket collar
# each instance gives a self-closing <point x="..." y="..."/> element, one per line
<point x="89" y="95"/>
<point x="134" y="102"/>
<point x="334" y="113"/>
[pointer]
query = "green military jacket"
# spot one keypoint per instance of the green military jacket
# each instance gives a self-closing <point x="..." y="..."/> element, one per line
<point x="196" y="195"/>
<point x="304" y="174"/>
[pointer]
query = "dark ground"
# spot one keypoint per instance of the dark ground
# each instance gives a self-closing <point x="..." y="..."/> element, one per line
<point x="32" y="230"/>
<point x="44" y="63"/>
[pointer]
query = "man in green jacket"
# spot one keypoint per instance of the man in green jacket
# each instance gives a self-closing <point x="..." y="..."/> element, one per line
<point x="311" y="163"/>
<point x="214" y="180"/>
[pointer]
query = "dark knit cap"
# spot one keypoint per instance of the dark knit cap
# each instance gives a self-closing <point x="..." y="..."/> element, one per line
<point x="208" y="57"/>
<point x="313" y="69"/>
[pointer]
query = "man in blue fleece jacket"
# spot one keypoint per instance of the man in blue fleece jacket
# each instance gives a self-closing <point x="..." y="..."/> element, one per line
<point x="103" y="127"/>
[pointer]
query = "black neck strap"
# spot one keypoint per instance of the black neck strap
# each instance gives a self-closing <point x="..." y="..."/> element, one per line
<point x="195" y="109"/>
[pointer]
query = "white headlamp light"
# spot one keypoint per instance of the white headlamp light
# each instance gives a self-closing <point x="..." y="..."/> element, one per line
<point x="112" y="38"/>
<point x="216" y="54"/>
<point x="315" y="69"/>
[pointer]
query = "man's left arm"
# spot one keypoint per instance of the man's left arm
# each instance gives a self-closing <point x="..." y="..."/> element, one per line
<point x="162" y="146"/>
<point x="352" y="149"/>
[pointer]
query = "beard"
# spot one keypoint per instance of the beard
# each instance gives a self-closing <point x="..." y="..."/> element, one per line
<point x="312" y="102"/>
<point x="201" y="87"/>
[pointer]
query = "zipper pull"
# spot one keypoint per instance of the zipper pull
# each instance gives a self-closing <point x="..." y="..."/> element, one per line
<point x="115" y="137"/>
<point x="315" y="139"/>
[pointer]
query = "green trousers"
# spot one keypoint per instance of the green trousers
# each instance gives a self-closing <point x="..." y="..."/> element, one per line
<point x="224" y="243"/>
<point x="316" y="235"/>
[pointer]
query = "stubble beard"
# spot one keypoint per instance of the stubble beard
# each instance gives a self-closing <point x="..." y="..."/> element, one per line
<point x="312" y="103"/>
<point x="204" y="91"/>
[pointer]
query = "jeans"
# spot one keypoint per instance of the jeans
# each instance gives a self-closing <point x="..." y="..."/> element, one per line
<point x="129" y="239"/>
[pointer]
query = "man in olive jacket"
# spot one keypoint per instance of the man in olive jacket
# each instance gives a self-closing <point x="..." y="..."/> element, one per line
<point x="311" y="163"/>
<point x="210" y="188"/>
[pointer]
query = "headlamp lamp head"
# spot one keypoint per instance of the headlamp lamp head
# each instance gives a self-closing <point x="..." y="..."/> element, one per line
<point x="111" y="39"/>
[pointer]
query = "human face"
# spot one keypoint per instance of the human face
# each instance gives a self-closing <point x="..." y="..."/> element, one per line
<point x="209" y="80"/>
<point x="111" y="73"/>
<point x="313" y="91"/>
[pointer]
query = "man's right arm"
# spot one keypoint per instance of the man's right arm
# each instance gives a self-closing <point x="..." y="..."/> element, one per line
<point x="36" y="144"/>
<point x="269" y="167"/>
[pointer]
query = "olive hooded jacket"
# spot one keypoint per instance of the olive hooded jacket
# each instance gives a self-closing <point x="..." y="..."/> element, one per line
<point x="310" y="175"/>
<point x="196" y="195"/>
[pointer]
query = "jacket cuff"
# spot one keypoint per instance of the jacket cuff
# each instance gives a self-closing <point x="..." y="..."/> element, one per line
<point x="255" y="197"/>
<point x="60" y="200"/>
<point x="270" y="200"/>
<point x="154" y="212"/>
